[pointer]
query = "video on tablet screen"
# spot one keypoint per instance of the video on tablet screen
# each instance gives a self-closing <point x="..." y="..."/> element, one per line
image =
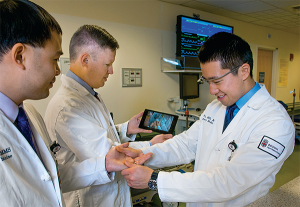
<point x="156" y="120"/>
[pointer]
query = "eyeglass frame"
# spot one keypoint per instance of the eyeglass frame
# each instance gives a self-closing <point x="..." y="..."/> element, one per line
<point x="202" y="79"/>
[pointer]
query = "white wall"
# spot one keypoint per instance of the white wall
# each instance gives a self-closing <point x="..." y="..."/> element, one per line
<point x="145" y="31"/>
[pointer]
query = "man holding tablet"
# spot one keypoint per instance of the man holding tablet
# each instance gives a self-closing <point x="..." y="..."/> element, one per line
<point x="79" y="121"/>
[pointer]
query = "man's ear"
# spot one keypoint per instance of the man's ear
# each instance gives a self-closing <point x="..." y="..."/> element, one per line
<point x="17" y="55"/>
<point x="84" y="59"/>
<point x="245" y="71"/>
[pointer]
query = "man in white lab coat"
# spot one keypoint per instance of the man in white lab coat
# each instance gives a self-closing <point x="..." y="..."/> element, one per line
<point x="79" y="121"/>
<point x="236" y="159"/>
<point x="30" y="46"/>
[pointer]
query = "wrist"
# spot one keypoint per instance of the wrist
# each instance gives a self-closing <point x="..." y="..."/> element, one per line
<point x="107" y="165"/>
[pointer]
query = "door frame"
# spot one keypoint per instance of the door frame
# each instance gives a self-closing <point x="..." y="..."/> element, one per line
<point x="275" y="65"/>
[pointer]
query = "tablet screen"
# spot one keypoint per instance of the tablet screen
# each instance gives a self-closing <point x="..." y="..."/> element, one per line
<point x="158" y="121"/>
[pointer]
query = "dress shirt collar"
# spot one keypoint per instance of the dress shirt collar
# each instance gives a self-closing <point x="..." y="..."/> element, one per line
<point x="242" y="101"/>
<point x="9" y="108"/>
<point x="70" y="74"/>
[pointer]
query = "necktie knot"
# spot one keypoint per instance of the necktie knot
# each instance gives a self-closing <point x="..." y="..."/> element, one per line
<point x="24" y="127"/>
<point x="229" y="116"/>
<point x="232" y="108"/>
<point x="97" y="97"/>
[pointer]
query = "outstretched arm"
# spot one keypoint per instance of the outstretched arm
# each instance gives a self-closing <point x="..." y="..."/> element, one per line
<point x="160" y="138"/>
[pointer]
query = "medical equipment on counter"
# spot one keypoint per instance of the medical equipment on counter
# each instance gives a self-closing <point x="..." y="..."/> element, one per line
<point x="185" y="120"/>
<point x="144" y="196"/>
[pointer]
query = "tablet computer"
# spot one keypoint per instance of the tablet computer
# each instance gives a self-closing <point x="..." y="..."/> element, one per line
<point x="158" y="121"/>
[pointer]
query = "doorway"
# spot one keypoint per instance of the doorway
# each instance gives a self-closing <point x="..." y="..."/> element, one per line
<point x="264" y="68"/>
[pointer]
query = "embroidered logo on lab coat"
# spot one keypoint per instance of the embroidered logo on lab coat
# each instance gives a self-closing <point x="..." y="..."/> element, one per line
<point x="3" y="152"/>
<point x="271" y="146"/>
<point x="208" y="119"/>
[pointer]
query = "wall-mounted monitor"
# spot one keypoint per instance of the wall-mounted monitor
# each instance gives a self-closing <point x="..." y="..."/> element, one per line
<point x="189" y="88"/>
<point x="192" y="33"/>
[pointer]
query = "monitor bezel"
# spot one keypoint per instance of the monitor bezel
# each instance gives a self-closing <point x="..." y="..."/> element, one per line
<point x="179" y="31"/>
<point x="181" y="86"/>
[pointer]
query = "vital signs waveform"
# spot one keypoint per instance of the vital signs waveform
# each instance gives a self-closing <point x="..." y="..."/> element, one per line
<point x="188" y="48"/>
<point x="184" y="52"/>
<point x="189" y="36"/>
<point x="189" y="41"/>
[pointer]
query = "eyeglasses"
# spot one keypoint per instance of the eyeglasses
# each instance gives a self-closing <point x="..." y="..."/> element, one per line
<point x="202" y="79"/>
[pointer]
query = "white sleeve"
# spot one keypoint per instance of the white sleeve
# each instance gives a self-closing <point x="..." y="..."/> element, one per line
<point x="122" y="130"/>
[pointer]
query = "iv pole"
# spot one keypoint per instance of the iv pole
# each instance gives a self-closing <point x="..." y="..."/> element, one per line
<point x="294" y="95"/>
<point x="186" y="113"/>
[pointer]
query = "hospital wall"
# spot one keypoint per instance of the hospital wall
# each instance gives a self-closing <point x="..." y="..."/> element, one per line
<point x="145" y="31"/>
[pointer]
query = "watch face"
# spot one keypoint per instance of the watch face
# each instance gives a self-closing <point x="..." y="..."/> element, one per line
<point x="152" y="185"/>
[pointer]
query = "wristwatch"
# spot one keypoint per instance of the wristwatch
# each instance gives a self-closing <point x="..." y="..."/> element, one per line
<point x="152" y="182"/>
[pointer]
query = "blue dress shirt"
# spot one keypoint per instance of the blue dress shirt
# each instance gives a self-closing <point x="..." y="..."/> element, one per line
<point x="243" y="100"/>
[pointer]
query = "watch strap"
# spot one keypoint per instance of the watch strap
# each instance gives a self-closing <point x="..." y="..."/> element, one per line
<point x="152" y="184"/>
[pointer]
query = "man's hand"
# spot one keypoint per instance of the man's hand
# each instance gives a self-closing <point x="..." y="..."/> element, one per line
<point x="160" y="138"/>
<point x="130" y="152"/>
<point x="114" y="160"/>
<point x="137" y="176"/>
<point x="133" y="125"/>
<point x="140" y="158"/>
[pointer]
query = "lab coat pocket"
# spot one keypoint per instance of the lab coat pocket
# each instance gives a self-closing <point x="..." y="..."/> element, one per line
<point x="108" y="194"/>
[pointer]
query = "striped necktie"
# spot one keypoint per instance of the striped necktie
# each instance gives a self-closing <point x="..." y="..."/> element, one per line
<point x="229" y="116"/>
<point x="24" y="127"/>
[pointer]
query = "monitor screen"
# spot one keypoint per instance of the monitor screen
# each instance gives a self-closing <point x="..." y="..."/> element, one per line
<point x="189" y="88"/>
<point x="192" y="33"/>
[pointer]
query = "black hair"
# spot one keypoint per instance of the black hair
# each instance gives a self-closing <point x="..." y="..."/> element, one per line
<point x="22" y="21"/>
<point x="88" y="35"/>
<point x="231" y="50"/>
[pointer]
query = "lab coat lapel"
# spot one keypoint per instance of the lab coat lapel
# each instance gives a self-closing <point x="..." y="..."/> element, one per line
<point x="114" y="131"/>
<point x="254" y="103"/>
<point x="48" y="160"/>
<point x="220" y="122"/>
<point x="43" y="144"/>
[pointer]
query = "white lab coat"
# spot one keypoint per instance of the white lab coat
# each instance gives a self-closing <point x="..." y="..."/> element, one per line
<point x="24" y="179"/>
<point x="78" y="122"/>
<point x="215" y="180"/>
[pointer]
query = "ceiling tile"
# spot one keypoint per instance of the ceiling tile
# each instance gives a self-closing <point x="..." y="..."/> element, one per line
<point x="249" y="7"/>
<point x="262" y="22"/>
<point x="275" y="14"/>
<point x="223" y="3"/>
<point x="282" y="3"/>
<point x="245" y="18"/>
<point x="278" y="19"/>
<point x="272" y="20"/>
<point x="176" y="1"/>
<point x="200" y="6"/>
<point x="225" y="12"/>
